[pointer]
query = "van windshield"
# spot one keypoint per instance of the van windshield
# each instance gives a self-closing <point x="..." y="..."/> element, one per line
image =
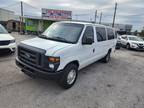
<point x="3" y="30"/>
<point x="63" y="32"/>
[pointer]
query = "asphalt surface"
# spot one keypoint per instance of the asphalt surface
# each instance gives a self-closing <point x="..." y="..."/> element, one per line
<point x="118" y="84"/>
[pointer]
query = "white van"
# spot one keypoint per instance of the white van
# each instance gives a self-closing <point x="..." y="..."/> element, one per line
<point x="7" y="42"/>
<point x="64" y="48"/>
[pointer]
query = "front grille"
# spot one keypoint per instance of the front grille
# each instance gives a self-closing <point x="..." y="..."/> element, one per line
<point x="29" y="56"/>
<point x="141" y="44"/>
<point x="2" y="43"/>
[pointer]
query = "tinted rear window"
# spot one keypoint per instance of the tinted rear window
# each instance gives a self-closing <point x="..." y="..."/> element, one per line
<point x="110" y="34"/>
<point x="101" y="34"/>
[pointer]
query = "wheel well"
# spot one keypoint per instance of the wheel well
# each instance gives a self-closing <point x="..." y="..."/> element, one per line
<point x="128" y="44"/>
<point x="74" y="62"/>
<point x="109" y="50"/>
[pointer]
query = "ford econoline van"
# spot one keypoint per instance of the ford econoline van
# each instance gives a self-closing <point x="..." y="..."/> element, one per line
<point x="65" y="48"/>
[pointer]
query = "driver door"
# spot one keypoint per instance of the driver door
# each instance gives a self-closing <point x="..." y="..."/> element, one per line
<point x="87" y="50"/>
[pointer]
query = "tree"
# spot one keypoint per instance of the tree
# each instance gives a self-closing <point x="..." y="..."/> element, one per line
<point x="142" y="32"/>
<point x="136" y="33"/>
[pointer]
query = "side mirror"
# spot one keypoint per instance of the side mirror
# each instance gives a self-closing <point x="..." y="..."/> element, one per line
<point x="87" y="41"/>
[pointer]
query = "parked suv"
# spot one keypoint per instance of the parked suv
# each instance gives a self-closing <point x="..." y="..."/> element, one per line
<point x="132" y="42"/>
<point x="7" y="42"/>
<point x="64" y="48"/>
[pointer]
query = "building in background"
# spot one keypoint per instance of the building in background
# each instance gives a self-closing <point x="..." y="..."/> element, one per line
<point x="52" y="14"/>
<point x="9" y="20"/>
<point x="37" y="25"/>
<point x="6" y="15"/>
<point x="121" y="28"/>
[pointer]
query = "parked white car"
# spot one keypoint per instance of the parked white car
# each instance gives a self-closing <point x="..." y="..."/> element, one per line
<point x="7" y="42"/>
<point x="64" y="48"/>
<point x="132" y="42"/>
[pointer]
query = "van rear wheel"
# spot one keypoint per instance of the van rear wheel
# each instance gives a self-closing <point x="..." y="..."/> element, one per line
<point x="69" y="77"/>
<point x="106" y="59"/>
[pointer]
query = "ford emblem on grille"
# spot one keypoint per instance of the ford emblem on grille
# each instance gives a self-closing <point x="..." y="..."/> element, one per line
<point x="27" y="55"/>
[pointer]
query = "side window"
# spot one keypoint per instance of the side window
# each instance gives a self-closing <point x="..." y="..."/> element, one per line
<point x="101" y="34"/>
<point x="89" y="32"/>
<point x="110" y="33"/>
<point x="124" y="37"/>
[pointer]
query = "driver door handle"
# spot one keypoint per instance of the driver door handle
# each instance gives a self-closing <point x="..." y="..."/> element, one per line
<point x="93" y="50"/>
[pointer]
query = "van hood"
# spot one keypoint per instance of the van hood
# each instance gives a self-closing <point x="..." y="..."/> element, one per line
<point x="50" y="46"/>
<point x="4" y="37"/>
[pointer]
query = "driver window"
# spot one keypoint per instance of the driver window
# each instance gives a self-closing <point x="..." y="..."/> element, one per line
<point x="89" y="32"/>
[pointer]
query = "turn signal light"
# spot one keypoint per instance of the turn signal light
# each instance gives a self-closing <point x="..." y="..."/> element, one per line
<point x="54" y="59"/>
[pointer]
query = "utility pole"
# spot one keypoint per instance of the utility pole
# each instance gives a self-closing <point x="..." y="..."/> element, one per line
<point x="100" y="18"/>
<point x="114" y="17"/>
<point x="21" y="18"/>
<point x="95" y="16"/>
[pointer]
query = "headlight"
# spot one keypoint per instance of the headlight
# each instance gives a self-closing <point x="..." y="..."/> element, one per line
<point x="134" y="43"/>
<point x="52" y="66"/>
<point x="12" y="41"/>
<point x="51" y="63"/>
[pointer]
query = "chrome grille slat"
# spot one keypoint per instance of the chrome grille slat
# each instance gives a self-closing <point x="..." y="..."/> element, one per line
<point x="28" y="56"/>
<point x="4" y="43"/>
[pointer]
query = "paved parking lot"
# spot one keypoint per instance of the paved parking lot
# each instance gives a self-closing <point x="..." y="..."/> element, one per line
<point x="118" y="84"/>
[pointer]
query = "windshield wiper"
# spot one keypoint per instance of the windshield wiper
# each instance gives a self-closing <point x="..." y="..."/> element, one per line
<point x="61" y="39"/>
<point x="42" y="36"/>
<point x="55" y="38"/>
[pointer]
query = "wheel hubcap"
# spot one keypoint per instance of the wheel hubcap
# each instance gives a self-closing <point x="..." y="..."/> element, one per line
<point x="71" y="77"/>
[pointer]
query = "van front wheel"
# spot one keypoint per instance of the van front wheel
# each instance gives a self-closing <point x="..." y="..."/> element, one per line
<point x="106" y="59"/>
<point x="69" y="77"/>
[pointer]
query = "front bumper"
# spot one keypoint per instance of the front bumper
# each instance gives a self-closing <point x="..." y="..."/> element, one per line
<point x="32" y="71"/>
<point x="138" y="49"/>
<point x="118" y="45"/>
<point x="135" y="47"/>
<point x="11" y="47"/>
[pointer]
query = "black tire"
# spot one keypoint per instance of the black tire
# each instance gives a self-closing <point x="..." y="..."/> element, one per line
<point x="63" y="81"/>
<point x="128" y="46"/>
<point x="106" y="59"/>
<point x="117" y="47"/>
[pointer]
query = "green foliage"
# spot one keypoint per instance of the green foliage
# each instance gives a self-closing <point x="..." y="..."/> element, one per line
<point x="136" y="33"/>
<point x="142" y="33"/>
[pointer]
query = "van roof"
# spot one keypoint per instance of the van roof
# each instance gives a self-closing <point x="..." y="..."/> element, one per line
<point x="85" y="23"/>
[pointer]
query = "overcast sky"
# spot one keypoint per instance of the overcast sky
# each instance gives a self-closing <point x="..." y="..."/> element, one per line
<point x="129" y="11"/>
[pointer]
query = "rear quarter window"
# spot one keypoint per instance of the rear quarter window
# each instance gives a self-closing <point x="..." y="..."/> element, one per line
<point x="110" y="34"/>
<point x="101" y="34"/>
